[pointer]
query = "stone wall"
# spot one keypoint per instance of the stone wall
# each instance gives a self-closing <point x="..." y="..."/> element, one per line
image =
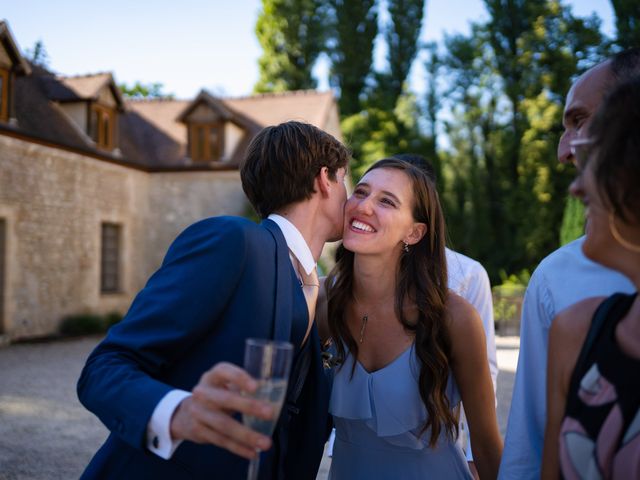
<point x="178" y="199"/>
<point x="54" y="203"/>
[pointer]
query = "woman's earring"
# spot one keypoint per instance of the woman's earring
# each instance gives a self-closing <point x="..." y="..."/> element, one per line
<point x="405" y="247"/>
<point x="615" y="233"/>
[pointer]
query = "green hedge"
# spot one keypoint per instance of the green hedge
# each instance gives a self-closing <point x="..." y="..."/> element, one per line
<point x="88" y="323"/>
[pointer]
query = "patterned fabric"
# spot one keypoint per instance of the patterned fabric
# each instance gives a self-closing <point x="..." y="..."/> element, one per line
<point x="600" y="434"/>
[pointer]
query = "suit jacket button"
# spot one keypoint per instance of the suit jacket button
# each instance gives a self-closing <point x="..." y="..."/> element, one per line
<point x="155" y="442"/>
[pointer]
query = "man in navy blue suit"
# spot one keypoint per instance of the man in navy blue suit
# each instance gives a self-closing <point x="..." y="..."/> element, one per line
<point x="166" y="382"/>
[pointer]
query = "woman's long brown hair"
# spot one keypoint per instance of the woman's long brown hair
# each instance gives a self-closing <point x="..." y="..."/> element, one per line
<point x="421" y="281"/>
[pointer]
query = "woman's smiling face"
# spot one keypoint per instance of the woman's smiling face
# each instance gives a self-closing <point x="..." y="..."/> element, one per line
<point x="379" y="214"/>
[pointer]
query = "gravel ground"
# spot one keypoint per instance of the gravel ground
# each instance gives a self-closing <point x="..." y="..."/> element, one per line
<point x="46" y="434"/>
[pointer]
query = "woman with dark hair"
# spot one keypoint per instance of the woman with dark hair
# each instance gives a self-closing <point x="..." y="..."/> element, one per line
<point x="593" y="375"/>
<point x="408" y="348"/>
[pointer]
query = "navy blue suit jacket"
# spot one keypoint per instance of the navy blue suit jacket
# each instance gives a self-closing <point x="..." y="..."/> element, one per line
<point x="223" y="279"/>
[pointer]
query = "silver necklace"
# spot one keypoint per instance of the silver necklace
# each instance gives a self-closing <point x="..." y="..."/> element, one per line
<point x="365" y="319"/>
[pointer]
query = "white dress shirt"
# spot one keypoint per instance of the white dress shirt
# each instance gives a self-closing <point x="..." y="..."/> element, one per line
<point x="159" y="439"/>
<point x="468" y="278"/>
<point x="563" y="278"/>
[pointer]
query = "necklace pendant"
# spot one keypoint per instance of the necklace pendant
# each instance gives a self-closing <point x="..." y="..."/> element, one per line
<point x="365" y="319"/>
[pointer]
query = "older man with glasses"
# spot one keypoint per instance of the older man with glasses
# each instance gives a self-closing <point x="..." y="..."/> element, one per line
<point x="563" y="278"/>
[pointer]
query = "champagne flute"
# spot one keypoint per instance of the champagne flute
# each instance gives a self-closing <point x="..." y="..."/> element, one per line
<point x="269" y="362"/>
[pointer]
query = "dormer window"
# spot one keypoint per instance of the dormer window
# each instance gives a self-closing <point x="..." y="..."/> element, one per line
<point x="205" y="142"/>
<point x="92" y="103"/>
<point x="4" y="94"/>
<point x="102" y="125"/>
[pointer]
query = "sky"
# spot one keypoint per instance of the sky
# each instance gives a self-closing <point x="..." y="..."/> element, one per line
<point x="192" y="44"/>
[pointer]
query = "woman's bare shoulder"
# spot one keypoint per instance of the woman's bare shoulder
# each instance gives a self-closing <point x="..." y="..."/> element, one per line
<point x="574" y="321"/>
<point x="461" y="315"/>
<point x="568" y="332"/>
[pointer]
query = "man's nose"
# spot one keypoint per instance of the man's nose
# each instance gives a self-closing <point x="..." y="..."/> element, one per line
<point x="564" y="147"/>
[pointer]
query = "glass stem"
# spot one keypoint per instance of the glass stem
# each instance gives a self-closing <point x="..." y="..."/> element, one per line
<point x="254" y="468"/>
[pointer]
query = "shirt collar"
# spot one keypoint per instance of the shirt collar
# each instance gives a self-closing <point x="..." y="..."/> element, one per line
<point x="295" y="242"/>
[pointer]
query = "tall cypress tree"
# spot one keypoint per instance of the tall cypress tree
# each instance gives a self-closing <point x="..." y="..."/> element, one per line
<point x="401" y="35"/>
<point x="627" y="22"/>
<point x="292" y="36"/>
<point x="355" y="26"/>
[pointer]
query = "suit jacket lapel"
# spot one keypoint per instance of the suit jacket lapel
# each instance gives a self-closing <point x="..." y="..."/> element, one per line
<point x="283" y="305"/>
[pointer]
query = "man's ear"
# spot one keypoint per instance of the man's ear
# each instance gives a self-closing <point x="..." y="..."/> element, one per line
<point x="419" y="230"/>
<point x="324" y="182"/>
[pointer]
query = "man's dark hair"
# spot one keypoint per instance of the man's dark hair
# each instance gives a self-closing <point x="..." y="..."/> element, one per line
<point x="419" y="161"/>
<point x="625" y="65"/>
<point x="282" y="162"/>
<point x="616" y="145"/>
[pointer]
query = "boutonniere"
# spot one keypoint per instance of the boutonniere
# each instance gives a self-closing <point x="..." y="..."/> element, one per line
<point x="329" y="358"/>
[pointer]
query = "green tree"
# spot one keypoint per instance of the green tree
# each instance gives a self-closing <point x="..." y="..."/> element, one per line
<point x="432" y="105"/>
<point x="141" y="90"/>
<point x="572" y="221"/>
<point x="474" y="187"/>
<point x="374" y="133"/>
<point x="292" y="36"/>
<point x="627" y="14"/>
<point x="38" y="54"/>
<point x="401" y="36"/>
<point x="506" y="191"/>
<point x="355" y="26"/>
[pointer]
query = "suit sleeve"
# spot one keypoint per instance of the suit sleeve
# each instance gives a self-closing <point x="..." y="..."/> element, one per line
<point x="522" y="454"/>
<point x="181" y="302"/>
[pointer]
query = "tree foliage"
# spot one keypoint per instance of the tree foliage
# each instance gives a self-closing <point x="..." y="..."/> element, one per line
<point x="141" y="90"/>
<point x="627" y="14"/>
<point x="354" y="28"/>
<point x="292" y="37"/>
<point x="401" y="37"/>
<point x="38" y="54"/>
<point x="489" y="120"/>
<point x="506" y="190"/>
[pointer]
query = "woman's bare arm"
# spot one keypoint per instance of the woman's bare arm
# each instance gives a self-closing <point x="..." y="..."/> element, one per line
<point x="471" y="370"/>
<point x="566" y="336"/>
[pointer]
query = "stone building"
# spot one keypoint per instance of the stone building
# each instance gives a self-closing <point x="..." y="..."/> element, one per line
<point x="94" y="187"/>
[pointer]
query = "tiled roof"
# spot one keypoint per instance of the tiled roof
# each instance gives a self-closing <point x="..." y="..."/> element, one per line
<point x="86" y="86"/>
<point x="309" y="106"/>
<point x="163" y="114"/>
<point x="151" y="133"/>
<point x="37" y="116"/>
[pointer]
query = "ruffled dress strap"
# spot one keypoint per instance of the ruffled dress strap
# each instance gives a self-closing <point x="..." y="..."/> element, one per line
<point x="388" y="400"/>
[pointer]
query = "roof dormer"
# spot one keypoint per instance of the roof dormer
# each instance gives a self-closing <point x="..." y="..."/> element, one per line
<point x="93" y="103"/>
<point x="11" y="64"/>
<point x="214" y="131"/>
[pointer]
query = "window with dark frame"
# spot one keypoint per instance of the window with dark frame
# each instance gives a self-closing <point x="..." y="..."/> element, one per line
<point x="101" y="126"/>
<point x="4" y="94"/>
<point x="110" y="258"/>
<point x="206" y="142"/>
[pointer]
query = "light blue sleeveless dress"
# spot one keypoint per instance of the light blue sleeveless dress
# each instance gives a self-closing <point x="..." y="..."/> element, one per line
<point x="378" y="417"/>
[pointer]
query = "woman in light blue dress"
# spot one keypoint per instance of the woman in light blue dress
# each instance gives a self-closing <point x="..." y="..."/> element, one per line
<point x="409" y="350"/>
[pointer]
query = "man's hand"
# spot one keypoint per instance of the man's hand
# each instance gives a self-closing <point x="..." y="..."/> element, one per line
<point x="206" y="416"/>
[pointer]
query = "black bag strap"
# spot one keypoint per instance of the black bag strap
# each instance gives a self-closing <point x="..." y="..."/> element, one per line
<point x="597" y="325"/>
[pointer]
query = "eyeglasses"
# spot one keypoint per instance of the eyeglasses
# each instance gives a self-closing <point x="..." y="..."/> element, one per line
<point x="580" y="149"/>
